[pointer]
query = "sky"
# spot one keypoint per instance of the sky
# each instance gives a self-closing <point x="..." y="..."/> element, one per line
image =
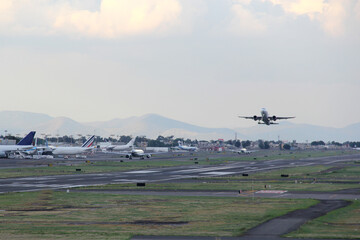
<point x="203" y="62"/>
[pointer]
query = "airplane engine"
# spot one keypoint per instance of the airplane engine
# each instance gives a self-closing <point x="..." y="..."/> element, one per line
<point x="148" y="155"/>
<point x="274" y="118"/>
<point x="3" y="155"/>
<point x="255" y="118"/>
<point x="128" y="155"/>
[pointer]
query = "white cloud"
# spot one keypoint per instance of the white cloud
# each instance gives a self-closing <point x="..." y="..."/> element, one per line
<point x="244" y="21"/>
<point x="114" y="18"/>
<point x="333" y="18"/>
<point x="120" y="17"/>
<point x="6" y="11"/>
<point x="301" y="7"/>
<point x="330" y="14"/>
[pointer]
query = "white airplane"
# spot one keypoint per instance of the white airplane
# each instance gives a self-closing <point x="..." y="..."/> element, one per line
<point x="242" y="151"/>
<point x="86" y="147"/>
<point x="186" y="148"/>
<point x="265" y="118"/>
<point x="127" y="146"/>
<point x="137" y="153"/>
<point x="23" y="145"/>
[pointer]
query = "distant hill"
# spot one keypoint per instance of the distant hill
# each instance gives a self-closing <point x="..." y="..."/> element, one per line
<point x="150" y="125"/>
<point x="23" y="122"/>
<point x="153" y="125"/>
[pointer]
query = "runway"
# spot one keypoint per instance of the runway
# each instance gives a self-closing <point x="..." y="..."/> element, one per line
<point x="170" y="174"/>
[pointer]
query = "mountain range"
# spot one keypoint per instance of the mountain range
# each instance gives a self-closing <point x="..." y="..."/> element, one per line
<point x="153" y="125"/>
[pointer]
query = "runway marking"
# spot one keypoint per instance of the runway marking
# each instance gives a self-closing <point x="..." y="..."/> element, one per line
<point x="218" y="173"/>
<point x="129" y="180"/>
<point x="334" y="161"/>
<point x="203" y="169"/>
<point x="272" y="191"/>
<point x="144" y="171"/>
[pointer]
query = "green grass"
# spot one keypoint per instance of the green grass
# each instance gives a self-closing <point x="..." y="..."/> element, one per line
<point x="49" y="215"/>
<point x="341" y="223"/>
<point x="231" y="186"/>
<point x="100" y="167"/>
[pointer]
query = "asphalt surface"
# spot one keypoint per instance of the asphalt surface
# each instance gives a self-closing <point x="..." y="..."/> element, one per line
<point x="170" y="174"/>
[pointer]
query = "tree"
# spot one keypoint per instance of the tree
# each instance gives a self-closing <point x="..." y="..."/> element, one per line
<point x="246" y="143"/>
<point x="237" y="144"/>
<point x="264" y="145"/>
<point x="287" y="146"/>
<point x="317" y="143"/>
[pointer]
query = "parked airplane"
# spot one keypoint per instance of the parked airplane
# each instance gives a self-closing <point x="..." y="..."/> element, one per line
<point x="242" y="151"/>
<point x="265" y="118"/>
<point x="24" y="144"/>
<point x="127" y="146"/>
<point x="86" y="147"/>
<point x="186" y="148"/>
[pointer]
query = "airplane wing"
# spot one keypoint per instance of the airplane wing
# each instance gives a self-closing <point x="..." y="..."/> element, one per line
<point x="282" y="118"/>
<point x="253" y="117"/>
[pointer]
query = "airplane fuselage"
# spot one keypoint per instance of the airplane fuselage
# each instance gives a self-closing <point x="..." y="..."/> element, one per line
<point x="265" y="117"/>
<point x="138" y="153"/>
<point x="6" y="149"/>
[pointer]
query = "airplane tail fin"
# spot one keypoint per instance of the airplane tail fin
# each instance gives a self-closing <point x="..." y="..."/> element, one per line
<point x="28" y="140"/>
<point x="180" y="143"/>
<point x="131" y="142"/>
<point x="89" y="142"/>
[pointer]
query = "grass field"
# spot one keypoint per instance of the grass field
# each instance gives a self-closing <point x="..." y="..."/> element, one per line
<point x="98" y="167"/>
<point x="49" y="215"/>
<point x="341" y="223"/>
<point x="231" y="186"/>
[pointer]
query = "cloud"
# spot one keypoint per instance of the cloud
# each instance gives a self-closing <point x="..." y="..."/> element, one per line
<point x="244" y="21"/>
<point x="330" y="14"/>
<point x="301" y="7"/>
<point x="117" y="18"/>
<point x="6" y="11"/>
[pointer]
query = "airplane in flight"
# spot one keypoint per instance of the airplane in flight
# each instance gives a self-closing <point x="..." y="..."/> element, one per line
<point x="265" y="118"/>
<point x="23" y="145"/>
<point x="127" y="146"/>
<point x="186" y="148"/>
<point x="66" y="151"/>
